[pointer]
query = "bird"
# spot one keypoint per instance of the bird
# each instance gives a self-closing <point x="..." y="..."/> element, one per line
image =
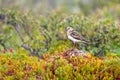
<point x="74" y="36"/>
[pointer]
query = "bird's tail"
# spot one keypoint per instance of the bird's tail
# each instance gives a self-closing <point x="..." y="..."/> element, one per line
<point x="86" y="42"/>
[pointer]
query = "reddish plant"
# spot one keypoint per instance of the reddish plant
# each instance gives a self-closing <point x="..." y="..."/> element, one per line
<point x="11" y="50"/>
<point x="4" y="51"/>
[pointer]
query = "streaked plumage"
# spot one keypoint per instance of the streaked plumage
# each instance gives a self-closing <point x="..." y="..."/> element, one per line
<point x="74" y="36"/>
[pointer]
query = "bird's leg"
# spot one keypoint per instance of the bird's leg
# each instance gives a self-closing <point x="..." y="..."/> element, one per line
<point x="73" y="44"/>
<point x="77" y="45"/>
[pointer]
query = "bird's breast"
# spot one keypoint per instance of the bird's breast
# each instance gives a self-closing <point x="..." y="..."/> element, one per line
<point x="73" y="39"/>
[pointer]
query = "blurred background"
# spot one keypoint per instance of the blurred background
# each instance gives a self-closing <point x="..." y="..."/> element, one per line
<point x="73" y="6"/>
<point x="38" y="25"/>
<point x="38" y="28"/>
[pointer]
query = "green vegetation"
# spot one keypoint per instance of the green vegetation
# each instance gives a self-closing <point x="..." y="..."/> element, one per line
<point x="33" y="43"/>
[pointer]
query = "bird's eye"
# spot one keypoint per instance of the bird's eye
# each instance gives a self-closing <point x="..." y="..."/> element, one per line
<point x="68" y="28"/>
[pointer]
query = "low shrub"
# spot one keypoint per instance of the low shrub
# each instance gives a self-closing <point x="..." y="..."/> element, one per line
<point x="58" y="67"/>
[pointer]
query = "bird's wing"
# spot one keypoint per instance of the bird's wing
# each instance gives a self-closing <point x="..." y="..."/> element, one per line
<point x="75" y="35"/>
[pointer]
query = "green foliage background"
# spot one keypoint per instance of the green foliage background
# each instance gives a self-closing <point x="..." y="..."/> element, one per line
<point x="37" y="28"/>
<point x="100" y="26"/>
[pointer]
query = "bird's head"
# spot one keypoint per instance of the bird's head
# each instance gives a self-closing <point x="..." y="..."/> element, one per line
<point x="69" y="29"/>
